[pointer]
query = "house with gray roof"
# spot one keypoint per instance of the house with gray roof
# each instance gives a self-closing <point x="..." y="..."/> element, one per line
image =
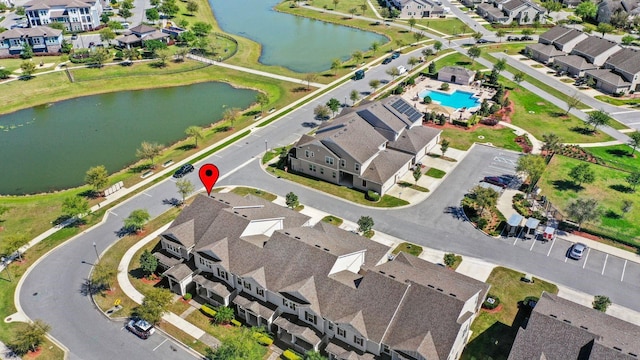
<point x="626" y="63"/>
<point x="418" y="8"/>
<point x="76" y="15"/>
<point x="561" y="329"/>
<point x="608" y="81"/>
<point x="368" y="147"/>
<point x="562" y="38"/>
<point x="456" y="75"/>
<point x="543" y="53"/>
<point x="136" y="36"/>
<point x="507" y="11"/>
<point x="596" y="50"/>
<point x="42" y="39"/>
<point x="607" y="8"/>
<point x="574" y="65"/>
<point x="320" y="287"/>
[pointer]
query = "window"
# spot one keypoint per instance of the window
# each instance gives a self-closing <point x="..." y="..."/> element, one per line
<point x="364" y="183"/>
<point x="343" y="162"/>
<point x="312" y="167"/>
<point x="310" y="317"/>
<point x="328" y="160"/>
<point x="358" y="340"/>
<point x="357" y="167"/>
<point x="247" y="285"/>
<point x="260" y="292"/>
<point x="341" y="332"/>
<point x="334" y="175"/>
<point x="385" y="348"/>
<point x="330" y="326"/>
<point x="239" y="281"/>
<point x="223" y="274"/>
<point x="307" y="153"/>
<point x="321" y="170"/>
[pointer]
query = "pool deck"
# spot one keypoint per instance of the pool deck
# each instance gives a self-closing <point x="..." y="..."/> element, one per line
<point x="425" y="83"/>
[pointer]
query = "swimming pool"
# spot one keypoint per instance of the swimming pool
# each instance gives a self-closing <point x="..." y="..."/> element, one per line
<point x="458" y="99"/>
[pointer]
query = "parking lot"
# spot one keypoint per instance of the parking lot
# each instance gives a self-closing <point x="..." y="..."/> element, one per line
<point x="503" y="165"/>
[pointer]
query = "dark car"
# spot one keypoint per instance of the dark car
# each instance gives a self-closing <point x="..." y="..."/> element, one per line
<point x="577" y="250"/>
<point x="526" y="38"/>
<point x="183" y="170"/>
<point x="395" y="55"/>
<point x="513" y="38"/>
<point x="497" y="181"/>
<point x="483" y="41"/>
<point x="141" y="328"/>
<point x="386" y="61"/>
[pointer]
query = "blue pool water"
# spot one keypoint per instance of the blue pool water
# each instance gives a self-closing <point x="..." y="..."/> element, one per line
<point x="458" y="99"/>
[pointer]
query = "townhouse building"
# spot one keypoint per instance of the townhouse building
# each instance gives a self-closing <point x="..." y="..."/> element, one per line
<point x="76" y="15"/>
<point x="42" y="39"/>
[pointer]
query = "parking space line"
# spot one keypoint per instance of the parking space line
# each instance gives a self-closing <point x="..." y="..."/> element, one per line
<point x="111" y="212"/>
<point x="144" y="193"/>
<point x="156" y="348"/>
<point x="623" y="269"/>
<point x="533" y="243"/>
<point x="551" y="247"/>
<point x="515" y="241"/>
<point x="605" y="264"/>
<point x="587" y="258"/>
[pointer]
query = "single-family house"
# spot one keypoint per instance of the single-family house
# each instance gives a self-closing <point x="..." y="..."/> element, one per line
<point x="136" y="36"/>
<point x="507" y="11"/>
<point x="596" y="50"/>
<point x="363" y="147"/>
<point x="561" y="329"/>
<point x="76" y="15"/>
<point x="492" y="14"/>
<point x="320" y="287"/>
<point x="626" y="63"/>
<point x="41" y="39"/>
<point x="607" y="8"/>
<point x="574" y="65"/>
<point x="418" y="8"/>
<point x="553" y="34"/>
<point x="456" y="75"/>
<point x="543" y="53"/>
<point x="608" y="81"/>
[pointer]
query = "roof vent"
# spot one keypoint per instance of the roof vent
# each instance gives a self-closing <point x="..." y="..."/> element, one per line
<point x="617" y="348"/>
<point x="439" y="289"/>
<point x="325" y="249"/>
<point x="382" y="272"/>
<point x="567" y="321"/>
<point x="391" y="276"/>
<point x="553" y="316"/>
<point x="431" y="286"/>
<point x="297" y="237"/>
<point x="634" y="355"/>
<point x="286" y="233"/>
<point x="584" y="327"/>
<point x="452" y="294"/>
<point x="318" y="246"/>
<point x="244" y="216"/>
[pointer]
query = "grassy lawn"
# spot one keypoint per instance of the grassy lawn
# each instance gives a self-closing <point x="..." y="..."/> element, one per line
<point x="333" y="220"/>
<point x="493" y="333"/>
<point x="617" y="156"/>
<point x="435" y="173"/>
<point x="462" y="139"/>
<point x="14" y="64"/>
<point x="618" y="101"/>
<point x="342" y="192"/>
<point x="457" y="261"/>
<point x="242" y="191"/>
<point x="408" y="248"/>
<point x="617" y="125"/>
<point x="405" y="184"/>
<point x="609" y="189"/>
<point x="458" y="59"/>
<point x="271" y="154"/>
<point x="450" y="26"/>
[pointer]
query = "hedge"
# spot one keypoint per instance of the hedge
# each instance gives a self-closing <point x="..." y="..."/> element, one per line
<point x="235" y="322"/>
<point x="263" y="339"/>
<point x="490" y="306"/>
<point x="208" y="310"/>
<point x="290" y="355"/>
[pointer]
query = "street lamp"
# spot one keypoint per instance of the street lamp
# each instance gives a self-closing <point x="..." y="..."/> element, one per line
<point x="95" y="247"/>
<point x="266" y="146"/>
<point x="6" y="266"/>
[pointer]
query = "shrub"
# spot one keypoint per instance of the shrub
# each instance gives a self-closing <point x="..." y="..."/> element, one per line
<point x="449" y="259"/>
<point x="187" y="296"/>
<point x="482" y="223"/>
<point x="490" y="121"/>
<point x="427" y="99"/>
<point x="373" y="196"/>
<point x="527" y="301"/>
<point x="601" y="302"/>
<point x="444" y="86"/>
<point x="208" y="310"/>
<point x="235" y="322"/>
<point x="263" y="340"/>
<point x="491" y="302"/>
<point x="398" y="90"/>
<point x="462" y="123"/>
<point x="290" y="355"/>
<point x="411" y="81"/>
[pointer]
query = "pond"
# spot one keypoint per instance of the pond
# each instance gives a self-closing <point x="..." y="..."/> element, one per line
<point x="51" y="147"/>
<point x="297" y="43"/>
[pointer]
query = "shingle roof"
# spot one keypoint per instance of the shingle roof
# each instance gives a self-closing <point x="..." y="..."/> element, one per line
<point x="493" y="11"/>
<point x="594" y="46"/>
<point x="30" y="32"/>
<point x="627" y="60"/>
<point x="575" y="61"/>
<point x="47" y="4"/>
<point x="608" y="77"/>
<point x="554" y="33"/>
<point x="571" y="35"/>
<point x="457" y="70"/>
<point x="415" y="139"/>
<point x="548" y="50"/>
<point x="383" y="166"/>
<point x="512" y="4"/>
<point x="142" y="29"/>
<point x="351" y="137"/>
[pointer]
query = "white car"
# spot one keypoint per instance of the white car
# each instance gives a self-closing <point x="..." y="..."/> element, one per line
<point x="401" y="70"/>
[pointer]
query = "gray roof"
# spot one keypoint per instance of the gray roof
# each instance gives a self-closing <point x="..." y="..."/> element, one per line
<point x="574" y="61"/>
<point x="571" y="35"/>
<point x="44" y="31"/>
<point x="608" y="77"/>
<point x="47" y="4"/>
<point x="457" y="70"/>
<point x="594" y="46"/>
<point x="548" y="50"/>
<point x="383" y="166"/>
<point x="415" y="139"/>
<point x="561" y="329"/>
<point x="627" y="60"/>
<point x="512" y="4"/>
<point x="179" y="272"/>
<point x="554" y="34"/>
<point x="515" y="220"/>
<point x="351" y="136"/>
<point x="142" y="29"/>
<point x="493" y="11"/>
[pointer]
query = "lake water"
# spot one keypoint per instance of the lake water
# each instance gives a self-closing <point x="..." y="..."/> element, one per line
<point x="300" y="44"/>
<point x="51" y="147"/>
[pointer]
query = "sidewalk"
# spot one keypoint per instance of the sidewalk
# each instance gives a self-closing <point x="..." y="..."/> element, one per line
<point x="5" y="353"/>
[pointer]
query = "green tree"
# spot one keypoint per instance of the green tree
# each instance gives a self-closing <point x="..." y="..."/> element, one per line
<point x="598" y="118"/>
<point x="634" y="141"/>
<point x="551" y="143"/>
<point x="353" y="11"/>
<point x="334" y="105"/>
<point x="20" y="10"/>
<point x="583" y="210"/>
<point x="99" y="57"/>
<point x="500" y="33"/>
<point x="500" y="65"/>
<point x="437" y="46"/>
<point x="449" y="259"/>
<point x="335" y="4"/>
<point x="374" y="84"/>
<point x="102" y="277"/>
<point x="185" y="188"/>
<point x="292" y="200"/>
<point x="152" y="14"/>
<point x="12" y="243"/>
<point x="412" y="61"/>
<point x="552" y="6"/>
<point x="474" y="52"/>
<point x="224" y="315"/>
<point x="477" y="35"/>
<point x="196" y="132"/>
<point x="231" y="115"/>
<point x="263" y="100"/>
<point x="363" y="7"/>
<point x="484" y="197"/>
<point x="354" y="96"/>
<point x="136" y="220"/>
<point x="412" y="23"/>
<point x="518" y="77"/>
<point x="375" y="46"/>
<point x="336" y="64"/>
<point x="5" y="74"/>
<point x="365" y="224"/>
<point x="149" y="151"/>
<point x="572" y="102"/>
<point x="427" y="52"/>
<point x="604" y="28"/>
<point x="240" y="347"/>
<point x="181" y="53"/>
<point x="444" y="146"/>
<point x="628" y="40"/>
<point x="587" y="10"/>
<point x="432" y="68"/>
<point x="633" y="180"/>
<point x="418" y="36"/>
<point x="155" y="304"/>
<point x="357" y="57"/>
<point x="125" y="13"/>
<point x="626" y="207"/>
<point x="321" y="112"/>
<point x="527" y="32"/>
<point x="169" y="8"/>
<point x="532" y="166"/>
<point x="148" y="263"/>
<point x="601" y="303"/>
<point x="393" y="72"/>
<point x="417" y="173"/>
<point x="30" y="337"/>
<point x="187" y="37"/>
<point x="28" y="68"/>
<point x="582" y="173"/>
<point x="201" y="28"/>
<point x="106" y="34"/>
<point x="192" y="7"/>
<point x="115" y="25"/>
<point x="313" y="355"/>
<point x="97" y="177"/>
<point x="309" y="78"/>
<point x="74" y="206"/>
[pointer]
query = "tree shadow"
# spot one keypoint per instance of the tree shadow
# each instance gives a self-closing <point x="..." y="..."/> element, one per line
<point x="327" y="75"/>
<point x="403" y="31"/>
<point x="252" y="113"/>
<point x="173" y="202"/>
<point x="90" y="194"/>
<point x="612" y="215"/>
<point x="299" y="89"/>
<point x="137" y="273"/>
<point x="558" y="114"/>
<point x="583" y="130"/>
<point x="87" y="288"/>
<point x="621" y="188"/>
<point x="564" y="185"/>
<point x="463" y="63"/>
<point x="186" y="147"/>
<point x="141" y="168"/>
<point x="618" y="153"/>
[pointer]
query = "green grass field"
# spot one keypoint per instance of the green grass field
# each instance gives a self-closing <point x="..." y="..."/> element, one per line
<point x="609" y="189"/>
<point x="449" y="26"/>
<point x="463" y="139"/>
<point x="618" y="156"/>
<point x="408" y="248"/>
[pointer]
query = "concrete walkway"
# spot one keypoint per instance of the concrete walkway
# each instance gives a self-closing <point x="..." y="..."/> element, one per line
<point x="6" y="354"/>
<point x="537" y="144"/>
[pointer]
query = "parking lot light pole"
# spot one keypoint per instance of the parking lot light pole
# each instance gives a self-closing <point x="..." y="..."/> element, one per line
<point x="6" y="267"/>
<point x="266" y="146"/>
<point x="95" y="247"/>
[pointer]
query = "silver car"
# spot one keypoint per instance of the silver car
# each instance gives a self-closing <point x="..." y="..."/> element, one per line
<point x="577" y="250"/>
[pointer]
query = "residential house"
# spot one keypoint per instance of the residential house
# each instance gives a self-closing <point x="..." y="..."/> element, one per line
<point x="568" y="41"/>
<point x="571" y="3"/>
<point x="456" y="75"/>
<point x="136" y="36"/>
<point x="626" y="63"/>
<point x="42" y="39"/>
<point x="574" y="65"/>
<point x="543" y="53"/>
<point x="507" y="11"/>
<point x="596" y="50"/>
<point x="76" y="15"/>
<point x="418" y="8"/>
<point x="365" y="146"/>
<point x="607" y="8"/>
<point x="608" y="81"/>
<point x="561" y="329"/>
<point x="320" y="288"/>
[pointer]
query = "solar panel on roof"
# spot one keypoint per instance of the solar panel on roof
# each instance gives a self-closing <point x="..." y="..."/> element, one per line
<point x="404" y="108"/>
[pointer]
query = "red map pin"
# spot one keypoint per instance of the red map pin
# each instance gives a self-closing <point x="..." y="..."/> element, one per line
<point x="209" y="175"/>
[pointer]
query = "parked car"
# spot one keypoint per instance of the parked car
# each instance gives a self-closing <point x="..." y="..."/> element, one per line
<point x="395" y="55"/>
<point x="183" y="170"/>
<point x="74" y="36"/>
<point x="483" y="41"/>
<point x="386" y="61"/>
<point x="526" y="38"/>
<point x="359" y="75"/>
<point x="497" y="181"/>
<point x="401" y="70"/>
<point x="141" y="328"/>
<point x="577" y="250"/>
<point x="513" y="38"/>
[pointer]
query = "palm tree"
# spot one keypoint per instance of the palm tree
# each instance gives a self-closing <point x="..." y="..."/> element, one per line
<point x="197" y="132"/>
<point x="551" y="143"/>
<point x="335" y="66"/>
<point x="374" y="47"/>
<point x="224" y="315"/>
